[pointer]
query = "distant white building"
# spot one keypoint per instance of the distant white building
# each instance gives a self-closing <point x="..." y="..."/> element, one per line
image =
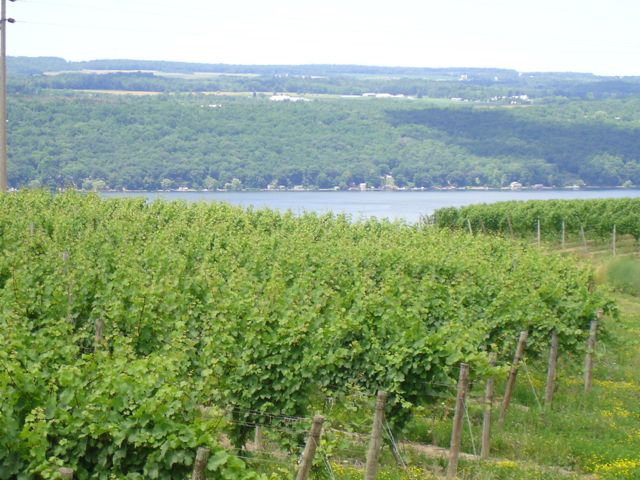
<point x="363" y="186"/>
<point x="383" y="95"/>
<point x="282" y="98"/>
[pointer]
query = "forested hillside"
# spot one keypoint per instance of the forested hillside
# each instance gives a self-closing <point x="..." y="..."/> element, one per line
<point x="205" y="141"/>
<point x="64" y="127"/>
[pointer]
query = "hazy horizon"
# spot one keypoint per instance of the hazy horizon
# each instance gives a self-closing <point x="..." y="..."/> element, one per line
<point x="527" y="36"/>
<point x="449" y="67"/>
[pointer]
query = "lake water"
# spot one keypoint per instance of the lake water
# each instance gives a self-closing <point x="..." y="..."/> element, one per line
<point x="393" y="204"/>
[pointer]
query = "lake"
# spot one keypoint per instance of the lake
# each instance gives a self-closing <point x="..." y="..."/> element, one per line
<point x="407" y="205"/>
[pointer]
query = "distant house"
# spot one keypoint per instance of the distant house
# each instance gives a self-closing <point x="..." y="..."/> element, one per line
<point x="363" y="186"/>
<point x="515" y="185"/>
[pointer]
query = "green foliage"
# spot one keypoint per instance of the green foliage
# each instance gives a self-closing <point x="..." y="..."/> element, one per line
<point x="261" y="312"/>
<point x="596" y="216"/>
<point x="104" y="414"/>
<point x="137" y="143"/>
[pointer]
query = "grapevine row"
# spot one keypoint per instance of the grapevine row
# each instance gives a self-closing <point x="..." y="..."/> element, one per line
<point x="210" y="305"/>
<point x="595" y="217"/>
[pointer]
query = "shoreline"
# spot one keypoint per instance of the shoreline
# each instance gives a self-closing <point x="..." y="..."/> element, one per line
<point x="387" y="190"/>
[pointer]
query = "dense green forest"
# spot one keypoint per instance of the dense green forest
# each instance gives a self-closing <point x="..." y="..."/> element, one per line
<point x="576" y="128"/>
<point x="137" y="142"/>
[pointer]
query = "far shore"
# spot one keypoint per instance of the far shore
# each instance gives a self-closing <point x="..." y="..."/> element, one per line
<point x="432" y="189"/>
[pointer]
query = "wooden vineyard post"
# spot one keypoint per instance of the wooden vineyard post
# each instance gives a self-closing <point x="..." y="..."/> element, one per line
<point x="202" y="456"/>
<point x="551" y="373"/>
<point x="488" y="405"/>
<point x="538" y="232"/>
<point x="484" y="230"/>
<point x="591" y="348"/>
<point x="470" y="229"/>
<point x="66" y="473"/>
<point x="31" y="228"/>
<point x="456" y="432"/>
<point x="613" y="241"/>
<point x="257" y="439"/>
<point x="584" y="238"/>
<point x="512" y="376"/>
<point x="376" y="437"/>
<point x="310" y="448"/>
<point x="98" y="336"/>
<point x="510" y="226"/>
<point x="563" y="235"/>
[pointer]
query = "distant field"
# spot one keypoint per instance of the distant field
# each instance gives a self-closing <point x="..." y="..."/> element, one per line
<point x="155" y="72"/>
<point x="373" y="76"/>
<point x="120" y="92"/>
<point x="311" y="96"/>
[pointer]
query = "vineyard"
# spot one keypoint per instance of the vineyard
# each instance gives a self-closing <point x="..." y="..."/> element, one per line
<point x="582" y="219"/>
<point x="133" y="333"/>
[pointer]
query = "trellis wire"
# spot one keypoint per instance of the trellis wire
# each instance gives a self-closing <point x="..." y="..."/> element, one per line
<point x="473" y="443"/>
<point x="263" y="460"/>
<point x="324" y="458"/>
<point x="393" y="441"/>
<point x="535" y="394"/>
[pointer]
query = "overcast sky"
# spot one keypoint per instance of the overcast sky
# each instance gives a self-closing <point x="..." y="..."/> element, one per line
<point x="526" y="35"/>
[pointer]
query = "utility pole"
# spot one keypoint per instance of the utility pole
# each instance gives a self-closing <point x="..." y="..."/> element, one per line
<point x="3" y="94"/>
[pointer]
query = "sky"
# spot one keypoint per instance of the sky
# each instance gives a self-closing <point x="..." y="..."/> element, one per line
<point x="591" y="36"/>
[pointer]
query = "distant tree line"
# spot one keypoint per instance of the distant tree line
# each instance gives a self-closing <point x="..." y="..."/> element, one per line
<point x="473" y="84"/>
<point x="39" y="65"/>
